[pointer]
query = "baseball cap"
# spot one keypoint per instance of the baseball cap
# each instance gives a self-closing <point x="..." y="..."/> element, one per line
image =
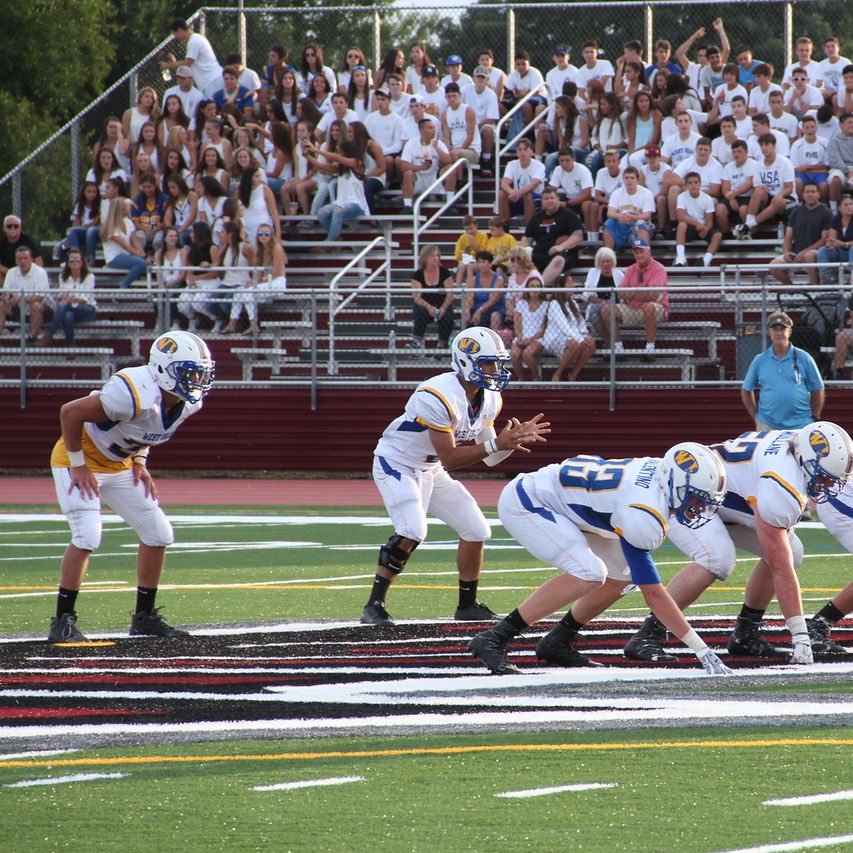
<point x="453" y="59"/>
<point x="417" y="98"/>
<point x="640" y="243"/>
<point x="184" y="71"/>
<point x="452" y="87"/>
<point x="561" y="48"/>
<point x="429" y="71"/>
<point x="481" y="71"/>
<point x="780" y="318"/>
<point x="383" y="93"/>
<point x="652" y="151"/>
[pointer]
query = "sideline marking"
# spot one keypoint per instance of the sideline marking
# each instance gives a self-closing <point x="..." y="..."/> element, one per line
<point x="435" y="750"/>
<point x="64" y="780"/>
<point x="559" y="789"/>
<point x="311" y="783"/>
<point x="811" y="800"/>
<point x="35" y="754"/>
<point x="794" y="846"/>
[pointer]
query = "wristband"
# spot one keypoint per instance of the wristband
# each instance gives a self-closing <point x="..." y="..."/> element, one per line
<point x="76" y="458"/>
<point x="491" y="446"/>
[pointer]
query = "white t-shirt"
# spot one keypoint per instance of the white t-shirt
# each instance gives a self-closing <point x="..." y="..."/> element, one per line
<point x="436" y="97"/>
<point x="416" y="153"/>
<point x="386" y="130"/>
<point x="602" y="68"/>
<point x="606" y="183"/>
<point x="676" y="149"/>
<point x="710" y="173"/>
<point x="779" y="172"/>
<point x="557" y="76"/>
<point x="654" y="180"/>
<point x="207" y="72"/>
<point x="400" y="107"/>
<point x="743" y="127"/>
<point x="728" y="96"/>
<point x="722" y="150"/>
<point x="738" y="175"/>
<point x="530" y="80"/>
<point x="457" y="124"/>
<point x="783" y="147"/>
<point x="813" y="70"/>
<point x="304" y="83"/>
<point x="695" y="208"/>
<point x="642" y="201"/>
<point x="327" y="118"/>
<point x="831" y="72"/>
<point x="485" y="103"/>
<point x="807" y="153"/>
<point x="190" y="99"/>
<point x="410" y="129"/>
<point x="760" y="101"/>
<point x="463" y="81"/>
<point x="811" y="97"/>
<point x="520" y="176"/>
<point x="710" y="79"/>
<point x="668" y="126"/>
<point x="787" y="123"/>
<point x="413" y="80"/>
<point x="112" y="249"/>
<point x="571" y="183"/>
<point x="828" y="130"/>
<point x="250" y="80"/>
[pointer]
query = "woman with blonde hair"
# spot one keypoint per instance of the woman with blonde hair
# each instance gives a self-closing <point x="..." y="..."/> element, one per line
<point x="269" y="254"/>
<point x="432" y="292"/>
<point x="180" y="140"/>
<point x="600" y="282"/>
<point x="566" y="334"/>
<point x="146" y="109"/>
<point x="123" y="249"/>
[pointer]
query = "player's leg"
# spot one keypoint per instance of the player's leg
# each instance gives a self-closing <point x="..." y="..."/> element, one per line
<point x="144" y="514"/>
<point x="84" y="519"/>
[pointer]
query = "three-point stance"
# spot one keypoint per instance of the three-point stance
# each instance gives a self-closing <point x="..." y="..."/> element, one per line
<point x="598" y="520"/>
<point x="418" y="448"/>
<point x="102" y="454"/>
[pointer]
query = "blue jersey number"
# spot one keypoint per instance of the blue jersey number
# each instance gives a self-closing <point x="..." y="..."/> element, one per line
<point x="592" y="473"/>
<point x="740" y="449"/>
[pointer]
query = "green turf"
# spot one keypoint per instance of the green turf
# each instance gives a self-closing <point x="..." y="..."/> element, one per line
<point x="328" y="578"/>
<point x="671" y="794"/>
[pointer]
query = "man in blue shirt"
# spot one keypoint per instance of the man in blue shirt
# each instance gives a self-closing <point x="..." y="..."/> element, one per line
<point x="791" y="387"/>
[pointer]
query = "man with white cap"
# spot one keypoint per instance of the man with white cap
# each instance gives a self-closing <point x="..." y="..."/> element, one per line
<point x="185" y="90"/>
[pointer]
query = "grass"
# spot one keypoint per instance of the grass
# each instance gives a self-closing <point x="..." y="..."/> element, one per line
<point x="675" y="790"/>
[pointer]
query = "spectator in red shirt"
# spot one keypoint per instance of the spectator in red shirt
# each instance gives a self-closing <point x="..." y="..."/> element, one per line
<point x="647" y="305"/>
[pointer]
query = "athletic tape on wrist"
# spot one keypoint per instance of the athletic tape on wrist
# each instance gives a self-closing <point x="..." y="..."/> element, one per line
<point x="76" y="458"/>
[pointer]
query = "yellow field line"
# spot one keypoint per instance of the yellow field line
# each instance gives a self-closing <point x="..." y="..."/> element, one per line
<point x="438" y="750"/>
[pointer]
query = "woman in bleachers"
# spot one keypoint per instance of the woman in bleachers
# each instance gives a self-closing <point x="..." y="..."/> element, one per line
<point x="174" y="164"/>
<point x="236" y="255"/>
<point x="609" y="133"/>
<point x="242" y="160"/>
<point x="306" y="110"/>
<point x="148" y="211"/>
<point x="146" y="109"/>
<point x="432" y="292"/>
<point x="643" y="126"/>
<point x="212" y="165"/>
<point x="359" y="92"/>
<point x="594" y="94"/>
<point x="373" y="160"/>
<point x="113" y="137"/>
<point x="287" y="94"/>
<point x="147" y="144"/>
<point x="173" y="116"/>
<point x="419" y="56"/>
<point x="180" y="140"/>
<point x="123" y="248"/>
<point x="182" y="209"/>
<point x="485" y="304"/>
<point x="269" y="254"/>
<point x="320" y="94"/>
<point x="258" y="202"/>
<point x="205" y="111"/>
<point x="324" y="170"/>
<point x="394" y="62"/>
<point x="200" y="281"/>
<point x="350" y="201"/>
<point x="170" y="276"/>
<point x="311" y="66"/>
<point x="566" y="334"/>
<point x="142" y="167"/>
<point x="304" y="171"/>
<point x="211" y="200"/>
<point x="246" y="137"/>
<point x="522" y="269"/>
<point x="601" y="280"/>
<point x="104" y="168"/>
<point x="215" y="140"/>
<point x="352" y="58"/>
<point x="278" y="166"/>
<point x="569" y="128"/>
<point x="530" y="322"/>
<point x="86" y="215"/>
<point x="75" y="302"/>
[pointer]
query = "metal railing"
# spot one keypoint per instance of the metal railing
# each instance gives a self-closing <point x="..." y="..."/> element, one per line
<point x="419" y="227"/>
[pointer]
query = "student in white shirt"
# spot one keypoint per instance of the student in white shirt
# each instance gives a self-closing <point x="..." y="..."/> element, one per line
<point x="761" y="126"/>
<point x="386" y="128"/>
<point x="808" y="157"/>
<point x="695" y="211"/>
<point x="759" y="94"/>
<point x="594" y="69"/>
<point x="833" y="66"/>
<point x="774" y="186"/>
<point x="680" y="145"/>
<point x="629" y="212"/>
<point x="801" y="99"/>
<point x="702" y="163"/>
<point x="780" y="119"/>
<point x="607" y="181"/>
<point x="522" y="184"/>
<point x="721" y="147"/>
<point x="803" y="49"/>
<point x="520" y="82"/>
<point x="653" y="177"/>
<point x="484" y="102"/>
<point x="497" y="78"/>
<point x="572" y="180"/>
<point x="420" y="160"/>
<point x="562" y="71"/>
<point x="736" y="187"/>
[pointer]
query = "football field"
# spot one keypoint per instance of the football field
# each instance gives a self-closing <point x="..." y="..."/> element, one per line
<point x="282" y="723"/>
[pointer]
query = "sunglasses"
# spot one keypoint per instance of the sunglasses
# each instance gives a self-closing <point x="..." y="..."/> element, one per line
<point x="11" y="226"/>
<point x="75" y="260"/>
<point x="264" y="233"/>
<point x="359" y="68"/>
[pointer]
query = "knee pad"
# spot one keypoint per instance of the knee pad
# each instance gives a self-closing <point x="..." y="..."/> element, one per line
<point x="393" y="557"/>
<point x="85" y="529"/>
<point x="796" y="549"/>
<point x="154" y="529"/>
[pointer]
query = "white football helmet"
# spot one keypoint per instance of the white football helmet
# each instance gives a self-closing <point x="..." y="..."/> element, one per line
<point x="474" y="347"/>
<point x="181" y="364"/>
<point x="694" y="480"/>
<point x="825" y="453"/>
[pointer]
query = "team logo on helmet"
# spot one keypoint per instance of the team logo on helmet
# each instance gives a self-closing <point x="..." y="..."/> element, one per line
<point x="819" y="443"/>
<point x="686" y="461"/>
<point x="469" y="346"/>
<point x="167" y="345"/>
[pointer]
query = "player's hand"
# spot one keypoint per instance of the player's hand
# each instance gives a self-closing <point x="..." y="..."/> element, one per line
<point x="802" y="654"/>
<point x="712" y="664"/>
<point x="140" y="472"/>
<point x="516" y="434"/>
<point x="84" y="480"/>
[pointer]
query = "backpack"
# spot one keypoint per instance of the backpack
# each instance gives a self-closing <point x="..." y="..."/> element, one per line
<point x="817" y="325"/>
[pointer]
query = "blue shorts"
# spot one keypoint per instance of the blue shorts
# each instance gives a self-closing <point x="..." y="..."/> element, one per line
<point x="816" y="178"/>
<point x="516" y="208"/>
<point x="624" y="235"/>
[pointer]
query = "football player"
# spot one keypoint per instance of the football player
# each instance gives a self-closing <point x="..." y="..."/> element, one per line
<point x="598" y="520"/>
<point x="771" y="475"/>
<point x="102" y="456"/>
<point x="417" y="450"/>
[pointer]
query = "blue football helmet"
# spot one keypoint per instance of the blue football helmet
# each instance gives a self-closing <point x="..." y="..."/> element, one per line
<point x="694" y="480"/>
<point x="475" y="347"/>
<point x="182" y="365"/>
<point x="825" y="453"/>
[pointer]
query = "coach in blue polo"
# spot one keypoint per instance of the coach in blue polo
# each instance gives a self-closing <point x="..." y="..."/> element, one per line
<point x="791" y="393"/>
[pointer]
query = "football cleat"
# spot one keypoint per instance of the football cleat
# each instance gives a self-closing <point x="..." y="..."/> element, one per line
<point x="646" y="643"/>
<point x="144" y="624"/>
<point x="376" y="614"/>
<point x="712" y="664"/>
<point x="477" y="612"/>
<point x="490" y="648"/>
<point x="746" y="641"/>
<point x="558" y="647"/>
<point x="63" y="629"/>
<point x="819" y="631"/>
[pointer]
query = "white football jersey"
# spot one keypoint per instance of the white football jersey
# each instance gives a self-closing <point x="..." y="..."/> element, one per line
<point x="762" y="474"/>
<point x="612" y="498"/>
<point x="836" y="515"/>
<point x="132" y="401"/>
<point x="439" y="403"/>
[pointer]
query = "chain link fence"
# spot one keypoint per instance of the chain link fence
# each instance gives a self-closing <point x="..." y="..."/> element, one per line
<point x="43" y="188"/>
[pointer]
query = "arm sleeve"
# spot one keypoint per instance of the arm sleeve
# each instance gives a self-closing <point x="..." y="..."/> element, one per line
<point x="641" y="564"/>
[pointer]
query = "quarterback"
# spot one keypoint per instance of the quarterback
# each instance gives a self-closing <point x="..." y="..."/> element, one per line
<point x="598" y="520"/>
<point x="102" y="456"/>
<point x="770" y="477"/>
<point x="418" y="448"/>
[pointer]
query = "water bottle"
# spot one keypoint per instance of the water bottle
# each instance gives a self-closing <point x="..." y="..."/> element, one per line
<point x="166" y="74"/>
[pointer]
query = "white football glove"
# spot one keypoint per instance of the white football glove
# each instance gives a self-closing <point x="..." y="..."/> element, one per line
<point x="802" y="653"/>
<point x="712" y="664"/>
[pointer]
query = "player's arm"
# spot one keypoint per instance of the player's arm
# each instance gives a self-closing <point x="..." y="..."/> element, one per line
<point x="72" y="416"/>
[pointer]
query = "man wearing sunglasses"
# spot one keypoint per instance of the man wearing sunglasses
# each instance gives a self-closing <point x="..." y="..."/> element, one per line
<point x="14" y="236"/>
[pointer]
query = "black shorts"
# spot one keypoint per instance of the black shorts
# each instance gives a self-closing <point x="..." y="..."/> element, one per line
<point x="740" y="201"/>
<point x="570" y="256"/>
<point x="693" y="234"/>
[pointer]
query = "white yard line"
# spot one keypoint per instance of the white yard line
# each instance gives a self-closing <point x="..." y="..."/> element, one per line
<point x="66" y="780"/>
<point x="559" y="789"/>
<point x="811" y="800"/>
<point x="794" y="846"/>
<point x="310" y="783"/>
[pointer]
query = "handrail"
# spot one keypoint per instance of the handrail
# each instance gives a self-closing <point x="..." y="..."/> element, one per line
<point x="504" y="119"/>
<point x="336" y="304"/>
<point x="417" y="228"/>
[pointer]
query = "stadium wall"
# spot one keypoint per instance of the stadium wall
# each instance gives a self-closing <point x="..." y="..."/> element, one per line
<point x="275" y="430"/>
